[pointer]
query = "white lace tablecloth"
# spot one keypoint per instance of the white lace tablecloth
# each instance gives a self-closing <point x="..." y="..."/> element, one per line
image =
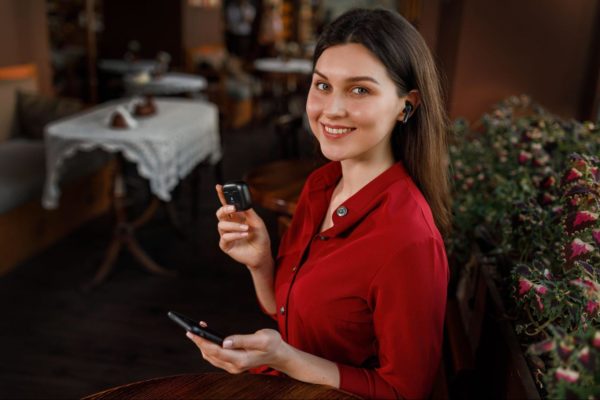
<point x="167" y="84"/>
<point x="291" y="66"/>
<point x="165" y="146"/>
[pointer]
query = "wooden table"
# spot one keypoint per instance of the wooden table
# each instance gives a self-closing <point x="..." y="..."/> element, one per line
<point x="165" y="147"/>
<point x="218" y="385"/>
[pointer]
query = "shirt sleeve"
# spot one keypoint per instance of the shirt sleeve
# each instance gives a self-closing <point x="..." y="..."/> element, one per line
<point x="408" y="296"/>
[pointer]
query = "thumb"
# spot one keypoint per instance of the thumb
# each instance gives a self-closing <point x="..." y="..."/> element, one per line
<point x="247" y="342"/>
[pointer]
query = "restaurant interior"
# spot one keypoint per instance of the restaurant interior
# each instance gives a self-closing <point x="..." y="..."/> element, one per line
<point x="119" y="117"/>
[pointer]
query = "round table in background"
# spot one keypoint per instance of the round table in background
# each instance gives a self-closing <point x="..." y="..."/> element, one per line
<point x="170" y="83"/>
<point x="218" y="385"/>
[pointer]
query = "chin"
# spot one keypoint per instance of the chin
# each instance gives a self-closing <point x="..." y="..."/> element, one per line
<point x="333" y="155"/>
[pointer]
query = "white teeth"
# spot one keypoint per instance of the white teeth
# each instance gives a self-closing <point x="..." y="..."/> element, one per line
<point x="336" y="131"/>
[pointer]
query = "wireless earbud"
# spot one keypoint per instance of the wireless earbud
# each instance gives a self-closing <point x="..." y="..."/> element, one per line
<point x="407" y="112"/>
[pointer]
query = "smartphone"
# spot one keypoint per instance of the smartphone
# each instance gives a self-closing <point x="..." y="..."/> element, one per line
<point x="237" y="194"/>
<point x="192" y="326"/>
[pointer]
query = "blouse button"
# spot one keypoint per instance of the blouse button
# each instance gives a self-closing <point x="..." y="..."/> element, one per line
<point x="282" y="310"/>
<point x="294" y="269"/>
<point x="341" y="211"/>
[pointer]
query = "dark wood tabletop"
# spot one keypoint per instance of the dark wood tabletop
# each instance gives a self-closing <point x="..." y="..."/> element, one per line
<point x="217" y="385"/>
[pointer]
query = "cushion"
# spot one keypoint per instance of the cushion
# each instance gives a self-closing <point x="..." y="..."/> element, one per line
<point x="35" y="111"/>
<point x="8" y="99"/>
<point x="23" y="170"/>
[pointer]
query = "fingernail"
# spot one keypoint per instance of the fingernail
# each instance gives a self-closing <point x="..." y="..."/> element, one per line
<point x="230" y="208"/>
<point x="228" y="343"/>
<point x="244" y="227"/>
<point x="189" y="335"/>
<point x="244" y="234"/>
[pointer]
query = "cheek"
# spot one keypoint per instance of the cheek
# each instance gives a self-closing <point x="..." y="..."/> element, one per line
<point x="314" y="108"/>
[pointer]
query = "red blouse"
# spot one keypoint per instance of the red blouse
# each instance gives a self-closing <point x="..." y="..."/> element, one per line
<point x="369" y="293"/>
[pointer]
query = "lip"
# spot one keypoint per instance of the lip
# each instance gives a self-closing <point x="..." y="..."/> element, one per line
<point x="336" y="136"/>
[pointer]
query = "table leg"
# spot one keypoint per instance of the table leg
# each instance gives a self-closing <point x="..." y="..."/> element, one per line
<point x="124" y="234"/>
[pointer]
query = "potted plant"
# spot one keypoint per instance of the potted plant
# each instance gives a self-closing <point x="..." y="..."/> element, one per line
<point x="516" y="212"/>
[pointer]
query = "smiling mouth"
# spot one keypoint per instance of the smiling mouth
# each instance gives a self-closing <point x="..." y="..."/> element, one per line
<point x="336" y="132"/>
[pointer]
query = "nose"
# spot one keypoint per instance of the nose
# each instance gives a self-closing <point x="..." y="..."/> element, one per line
<point x="335" y="106"/>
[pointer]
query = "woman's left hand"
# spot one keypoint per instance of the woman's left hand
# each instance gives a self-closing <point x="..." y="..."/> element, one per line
<point x="243" y="352"/>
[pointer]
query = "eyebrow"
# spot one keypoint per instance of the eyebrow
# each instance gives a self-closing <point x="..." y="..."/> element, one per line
<point x="352" y="78"/>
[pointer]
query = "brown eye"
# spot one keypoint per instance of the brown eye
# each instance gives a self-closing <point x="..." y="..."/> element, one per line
<point x="360" y="90"/>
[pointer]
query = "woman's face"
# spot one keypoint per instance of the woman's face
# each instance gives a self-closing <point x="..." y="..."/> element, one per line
<point x="353" y="105"/>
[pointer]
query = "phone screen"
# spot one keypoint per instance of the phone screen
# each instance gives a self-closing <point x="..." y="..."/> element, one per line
<point x="192" y="326"/>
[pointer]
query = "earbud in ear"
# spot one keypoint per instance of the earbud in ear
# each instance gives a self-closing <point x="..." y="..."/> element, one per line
<point x="407" y="112"/>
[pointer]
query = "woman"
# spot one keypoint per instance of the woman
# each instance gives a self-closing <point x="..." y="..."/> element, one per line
<point x="359" y="285"/>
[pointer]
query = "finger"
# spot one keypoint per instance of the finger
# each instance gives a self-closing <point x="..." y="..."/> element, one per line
<point x="252" y="217"/>
<point x="255" y="341"/>
<point x="203" y="324"/>
<point x="227" y="226"/>
<point x="220" y="194"/>
<point x="229" y="237"/>
<point x="210" y="353"/>
<point x="224" y="212"/>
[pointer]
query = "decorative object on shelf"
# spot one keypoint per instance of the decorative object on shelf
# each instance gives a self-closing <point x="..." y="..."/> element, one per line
<point x="120" y="118"/>
<point x="145" y="107"/>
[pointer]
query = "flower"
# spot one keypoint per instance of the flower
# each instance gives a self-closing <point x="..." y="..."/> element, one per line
<point x="540" y="304"/>
<point x="524" y="156"/>
<point x="541" y="289"/>
<point x="568" y="375"/>
<point x="572" y="175"/>
<point x="542" y="347"/>
<point x="578" y="220"/>
<point x="592" y="306"/>
<point x="596" y="236"/>
<point x="577" y="249"/>
<point x="548" y="182"/>
<point x="524" y="286"/>
<point x="596" y="340"/>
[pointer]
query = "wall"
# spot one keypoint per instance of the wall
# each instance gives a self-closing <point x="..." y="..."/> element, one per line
<point x="155" y="24"/>
<point x="202" y="26"/>
<point x="545" y="48"/>
<point x="24" y="37"/>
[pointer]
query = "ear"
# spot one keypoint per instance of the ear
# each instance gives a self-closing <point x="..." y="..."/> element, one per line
<point x="414" y="98"/>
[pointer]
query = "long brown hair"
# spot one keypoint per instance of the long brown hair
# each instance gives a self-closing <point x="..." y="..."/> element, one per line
<point x="422" y="143"/>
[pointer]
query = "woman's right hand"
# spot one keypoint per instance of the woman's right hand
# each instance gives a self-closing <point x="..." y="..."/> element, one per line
<point x="244" y="236"/>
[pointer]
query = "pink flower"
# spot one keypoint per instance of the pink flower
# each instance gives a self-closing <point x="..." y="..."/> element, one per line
<point x="572" y="174"/>
<point x="596" y="340"/>
<point x="541" y="289"/>
<point x="564" y="350"/>
<point x="596" y="236"/>
<point x="524" y="156"/>
<point x="591" y="307"/>
<point x="542" y="347"/>
<point x="547" y="198"/>
<point x="568" y="375"/>
<point x="548" y="181"/>
<point x="591" y="285"/>
<point x="584" y="216"/>
<point x="578" y="248"/>
<point x="584" y="357"/>
<point x="524" y="286"/>
<point x="540" y="304"/>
